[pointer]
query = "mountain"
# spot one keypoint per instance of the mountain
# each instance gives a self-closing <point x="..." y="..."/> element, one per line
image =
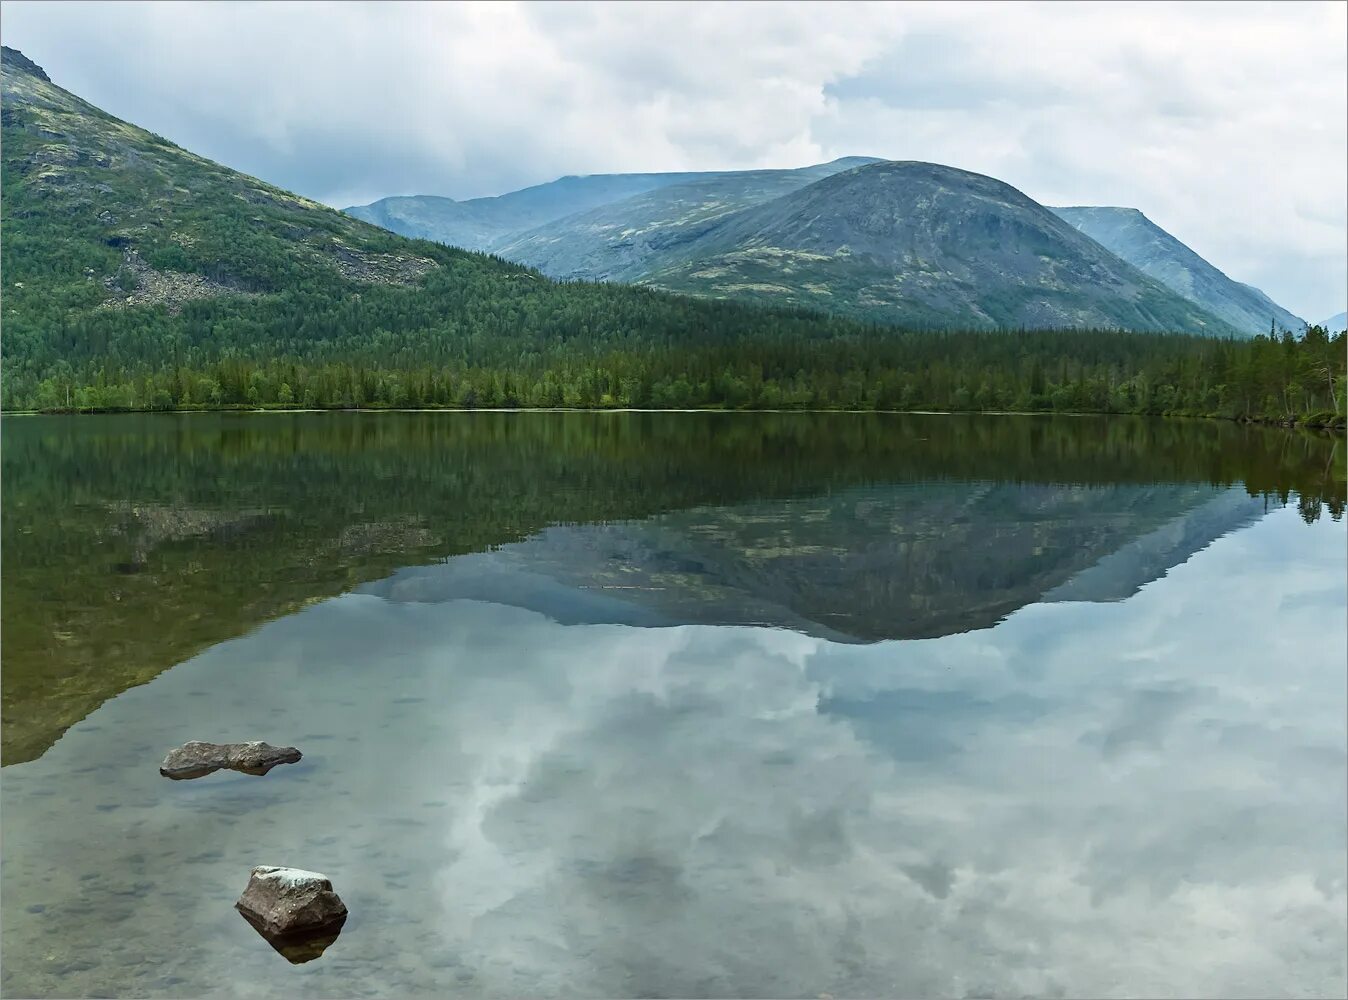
<point x="1132" y="236"/>
<point x="139" y="275"/>
<point x="123" y="252"/>
<point x="908" y="243"/>
<point x="618" y="241"/>
<point x="1336" y="323"/>
<point x="925" y="245"/>
<point x="480" y="223"/>
<point x="488" y="223"/>
<point x="103" y="214"/>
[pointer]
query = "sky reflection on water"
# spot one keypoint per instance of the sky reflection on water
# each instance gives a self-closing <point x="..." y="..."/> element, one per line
<point x="1137" y="798"/>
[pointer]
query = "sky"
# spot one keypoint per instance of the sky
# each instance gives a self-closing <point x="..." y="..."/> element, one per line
<point x="1227" y="124"/>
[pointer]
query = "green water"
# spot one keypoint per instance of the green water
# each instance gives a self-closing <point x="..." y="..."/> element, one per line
<point x="678" y="704"/>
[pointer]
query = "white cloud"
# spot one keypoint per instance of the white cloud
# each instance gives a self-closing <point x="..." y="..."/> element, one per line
<point x="1225" y="123"/>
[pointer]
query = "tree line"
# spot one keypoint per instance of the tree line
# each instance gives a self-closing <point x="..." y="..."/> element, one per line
<point x="1282" y="379"/>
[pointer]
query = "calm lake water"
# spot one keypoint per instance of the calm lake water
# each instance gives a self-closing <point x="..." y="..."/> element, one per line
<point x="678" y="705"/>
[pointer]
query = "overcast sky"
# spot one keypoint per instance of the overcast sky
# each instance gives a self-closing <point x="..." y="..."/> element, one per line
<point x="1227" y="124"/>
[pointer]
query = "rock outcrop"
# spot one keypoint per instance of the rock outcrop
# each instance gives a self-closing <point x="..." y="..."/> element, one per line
<point x="195" y="758"/>
<point x="136" y="283"/>
<point x="295" y="910"/>
<point x="14" y="59"/>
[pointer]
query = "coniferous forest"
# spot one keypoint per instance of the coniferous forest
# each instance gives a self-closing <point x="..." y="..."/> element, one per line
<point x="359" y="355"/>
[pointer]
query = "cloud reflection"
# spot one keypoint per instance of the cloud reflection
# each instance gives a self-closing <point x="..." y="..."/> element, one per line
<point x="1142" y="798"/>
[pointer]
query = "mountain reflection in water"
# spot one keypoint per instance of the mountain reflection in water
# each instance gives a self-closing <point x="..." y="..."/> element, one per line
<point x="861" y="565"/>
<point x="134" y="541"/>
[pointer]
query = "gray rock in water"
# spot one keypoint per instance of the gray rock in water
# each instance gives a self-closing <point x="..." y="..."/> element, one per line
<point x="194" y="759"/>
<point x="290" y="903"/>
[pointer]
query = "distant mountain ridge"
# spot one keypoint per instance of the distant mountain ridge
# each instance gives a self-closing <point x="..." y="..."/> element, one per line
<point x="486" y="223"/>
<point x="1135" y="238"/>
<point x="617" y="241"/>
<point x="694" y="233"/>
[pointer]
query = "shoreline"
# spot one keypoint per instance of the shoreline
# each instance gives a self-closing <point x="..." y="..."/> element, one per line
<point x="1336" y="425"/>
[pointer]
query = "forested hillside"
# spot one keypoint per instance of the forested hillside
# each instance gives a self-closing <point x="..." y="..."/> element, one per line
<point x="127" y="258"/>
<point x="139" y="275"/>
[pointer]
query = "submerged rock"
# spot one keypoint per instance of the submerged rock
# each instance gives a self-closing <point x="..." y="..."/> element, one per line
<point x="195" y="758"/>
<point x="292" y="909"/>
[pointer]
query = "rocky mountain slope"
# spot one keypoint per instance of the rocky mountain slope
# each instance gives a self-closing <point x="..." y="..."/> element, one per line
<point x="102" y="215"/>
<point x="645" y="228"/>
<point x="1132" y="236"/>
<point x="923" y="245"/>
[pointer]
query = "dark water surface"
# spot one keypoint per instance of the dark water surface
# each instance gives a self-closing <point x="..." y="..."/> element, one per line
<point x="678" y="705"/>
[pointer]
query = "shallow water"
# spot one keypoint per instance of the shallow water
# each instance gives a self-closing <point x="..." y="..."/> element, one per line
<point x="769" y="707"/>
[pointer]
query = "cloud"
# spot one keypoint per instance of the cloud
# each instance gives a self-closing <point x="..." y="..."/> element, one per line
<point x="1224" y="123"/>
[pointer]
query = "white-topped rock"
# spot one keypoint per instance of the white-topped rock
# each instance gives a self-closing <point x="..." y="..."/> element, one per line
<point x="288" y="901"/>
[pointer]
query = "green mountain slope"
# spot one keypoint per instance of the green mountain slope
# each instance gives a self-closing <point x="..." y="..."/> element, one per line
<point x="1132" y="236"/>
<point x="123" y="252"/>
<point x="93" y="203"/>
<point x="490" y="223"/>
<point x="923" y="244"/>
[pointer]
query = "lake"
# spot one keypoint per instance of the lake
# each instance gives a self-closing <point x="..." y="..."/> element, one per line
<point x="631" y="704"/>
